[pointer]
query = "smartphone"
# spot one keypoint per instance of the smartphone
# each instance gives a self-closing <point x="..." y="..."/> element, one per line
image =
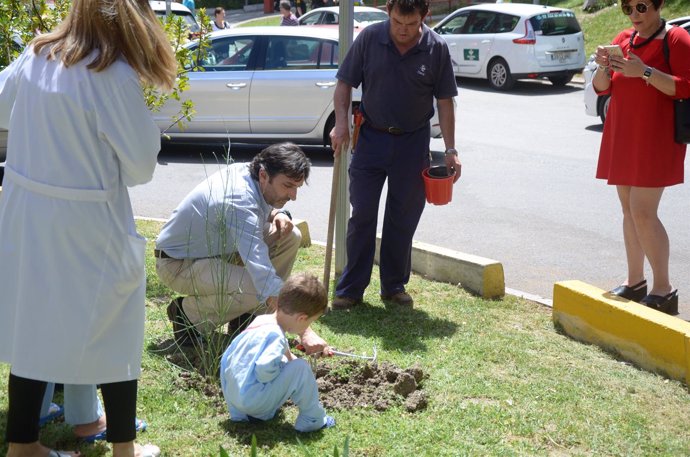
<point x="614" y="50"/>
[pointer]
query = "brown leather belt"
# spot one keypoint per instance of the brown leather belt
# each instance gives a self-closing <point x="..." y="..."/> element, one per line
<point x="390" y="130"/>
<point x="160" y="254"/>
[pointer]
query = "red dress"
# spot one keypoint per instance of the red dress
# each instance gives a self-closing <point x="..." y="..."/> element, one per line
<point x="637" y="147"/>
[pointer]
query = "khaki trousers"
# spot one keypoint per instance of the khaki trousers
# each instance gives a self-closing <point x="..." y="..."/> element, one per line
<point x="218" y="291"/>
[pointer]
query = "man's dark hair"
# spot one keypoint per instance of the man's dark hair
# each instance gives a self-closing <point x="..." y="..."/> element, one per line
<point x="218" y="10"/>
<point x="281" y="158"/>
<point x="409" y="6"/>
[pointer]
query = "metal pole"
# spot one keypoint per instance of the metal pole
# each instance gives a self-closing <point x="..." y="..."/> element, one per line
<point x="168" y="7"/>
<point x="346" y="28"/>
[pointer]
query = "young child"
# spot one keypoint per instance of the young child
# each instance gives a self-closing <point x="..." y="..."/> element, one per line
<point x="258" y="373"/>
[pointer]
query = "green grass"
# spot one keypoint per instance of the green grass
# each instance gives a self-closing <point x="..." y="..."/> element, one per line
<point x="271" y="20"/>
<point x="502" y="381"/>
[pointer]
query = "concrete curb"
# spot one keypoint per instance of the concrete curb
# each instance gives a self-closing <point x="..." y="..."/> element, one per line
<point x="650" y="339"/>
<point x="480" y="275"/>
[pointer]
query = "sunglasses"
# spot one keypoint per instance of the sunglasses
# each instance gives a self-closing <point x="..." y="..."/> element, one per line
<point x="640" y="7"/>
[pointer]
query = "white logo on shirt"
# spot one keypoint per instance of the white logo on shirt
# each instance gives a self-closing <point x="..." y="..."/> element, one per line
<point x="422" y="70"/>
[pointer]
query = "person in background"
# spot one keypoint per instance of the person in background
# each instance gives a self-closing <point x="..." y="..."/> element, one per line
<point x="286" y="12"/>
<point x="300" y="8"/>
<point x="638" y="153"/>
<point x="219" y="19"/>
<point x="229" y="245"/>
<point x="259" y="373"/>
<point x="393" y="142"/>
<point x="66" y="217"/>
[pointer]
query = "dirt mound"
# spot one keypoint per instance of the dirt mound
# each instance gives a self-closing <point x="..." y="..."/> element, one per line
<point x="345" y="384"/>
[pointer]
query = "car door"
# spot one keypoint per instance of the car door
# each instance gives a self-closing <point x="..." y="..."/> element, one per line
<point x="219" y="90"/>
<point x="294" y="90"/>
<point x="469" y="37"/>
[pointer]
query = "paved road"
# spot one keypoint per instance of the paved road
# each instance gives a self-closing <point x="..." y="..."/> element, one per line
<point x="527" y="197"/>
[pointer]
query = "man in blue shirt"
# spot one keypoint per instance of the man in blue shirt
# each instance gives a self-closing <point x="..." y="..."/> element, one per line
<point x="402" y="66"/>
<point x="229" y="246"/>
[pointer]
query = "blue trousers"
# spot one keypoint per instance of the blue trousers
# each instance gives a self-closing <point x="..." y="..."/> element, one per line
<point x="378" y="157"/>
<point x="82" y="405"/>
<point x="296" y="381"/>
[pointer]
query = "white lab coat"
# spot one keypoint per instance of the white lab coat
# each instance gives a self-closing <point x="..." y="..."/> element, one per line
<point x="72" y="278"/>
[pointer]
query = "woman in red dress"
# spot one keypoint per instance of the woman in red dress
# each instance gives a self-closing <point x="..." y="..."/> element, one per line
<point x="638" y="153"/>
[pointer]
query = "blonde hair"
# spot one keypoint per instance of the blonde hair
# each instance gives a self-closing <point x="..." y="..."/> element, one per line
<point x="127" y="28"/>
<point x="303" y="293"/>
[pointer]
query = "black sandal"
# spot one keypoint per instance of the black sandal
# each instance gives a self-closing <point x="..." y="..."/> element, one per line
<point x="667" y="304"/>
<point x="634" y="293"/>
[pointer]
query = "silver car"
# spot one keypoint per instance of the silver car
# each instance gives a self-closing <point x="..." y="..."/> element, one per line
<point x="262" y="83"/>
<point x="505" y="42"/>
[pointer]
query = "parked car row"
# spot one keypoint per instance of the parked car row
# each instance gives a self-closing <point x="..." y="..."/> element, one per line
<point x="510" y="41"/>
<point x="598" y="105"/>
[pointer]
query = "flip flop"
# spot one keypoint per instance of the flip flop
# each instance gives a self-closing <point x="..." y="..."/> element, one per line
<point x="54" y="411"/>
<point x="141" y="426"/>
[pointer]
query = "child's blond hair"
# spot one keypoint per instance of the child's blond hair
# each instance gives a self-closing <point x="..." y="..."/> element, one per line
<point x="303" y="293"/>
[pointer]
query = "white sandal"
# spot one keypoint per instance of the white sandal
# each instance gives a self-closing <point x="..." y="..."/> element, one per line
<point x="149" y="450"/>
<point x="54" y="453"/>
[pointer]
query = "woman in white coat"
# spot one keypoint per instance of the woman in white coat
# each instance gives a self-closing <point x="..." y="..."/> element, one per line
<point x="71" y="263"/>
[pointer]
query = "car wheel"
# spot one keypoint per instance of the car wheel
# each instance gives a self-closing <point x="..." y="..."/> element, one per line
<point x="603" y="106"/>
<point x="560" y="81"/>
<point x="499" y="75"/>
<point x="330" y="123"/>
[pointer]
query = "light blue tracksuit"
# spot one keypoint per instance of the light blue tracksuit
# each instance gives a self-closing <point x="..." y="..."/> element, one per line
<point x="82" y="405"/>
<point x="257" y="379"/>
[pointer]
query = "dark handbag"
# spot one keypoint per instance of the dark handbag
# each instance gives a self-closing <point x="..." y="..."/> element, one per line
<point x="681" y="109"/>
<point x="682" y="121"/>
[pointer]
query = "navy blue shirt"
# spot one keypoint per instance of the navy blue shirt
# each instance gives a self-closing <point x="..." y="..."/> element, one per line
<point x="398" y="91"/>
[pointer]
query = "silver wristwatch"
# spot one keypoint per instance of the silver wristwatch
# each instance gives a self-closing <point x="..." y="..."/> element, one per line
<point x="451" y="151"/>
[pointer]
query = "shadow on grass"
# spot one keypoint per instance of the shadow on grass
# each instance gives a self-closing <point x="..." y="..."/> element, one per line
<point x="398" y="328"/>
<point x="270" y="433"/>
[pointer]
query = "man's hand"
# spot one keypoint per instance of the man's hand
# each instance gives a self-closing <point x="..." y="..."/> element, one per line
<point x="283" y="225"/>
<point x="453" y="162"/>
<point x="340" y="136"/>
<point x="314" y="344"/>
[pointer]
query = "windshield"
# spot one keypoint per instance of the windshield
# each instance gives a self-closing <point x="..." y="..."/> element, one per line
<point x="188" y="19"/>
<point x="555" y="23"/>
<point x="370" y="16"/>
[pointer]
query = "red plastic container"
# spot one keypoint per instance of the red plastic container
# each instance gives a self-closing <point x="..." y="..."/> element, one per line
<point x="438" y="185"/>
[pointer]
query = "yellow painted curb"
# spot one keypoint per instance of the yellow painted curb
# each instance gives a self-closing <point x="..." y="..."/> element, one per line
<point x="480" y="275"/>
<point x="652" y="340"/>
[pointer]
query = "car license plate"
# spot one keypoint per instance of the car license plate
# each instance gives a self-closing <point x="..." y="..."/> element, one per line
<point x="561" y="56"/>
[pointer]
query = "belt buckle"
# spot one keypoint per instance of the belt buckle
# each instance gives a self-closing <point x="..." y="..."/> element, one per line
<point x="395" y="131"/>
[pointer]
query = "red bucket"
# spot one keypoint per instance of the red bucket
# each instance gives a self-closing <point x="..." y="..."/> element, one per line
<point x="438" y="185"/>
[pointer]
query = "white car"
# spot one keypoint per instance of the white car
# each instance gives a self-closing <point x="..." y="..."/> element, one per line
<point x="178" y="9"/>
<point x="329" y="16"/>
<point x="598" y="105"/>
<point x="505" y="42"/>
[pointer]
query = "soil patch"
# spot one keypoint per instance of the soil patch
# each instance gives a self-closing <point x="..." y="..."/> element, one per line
<point x="343" y="383"/>
<point x="346" y="384"/>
